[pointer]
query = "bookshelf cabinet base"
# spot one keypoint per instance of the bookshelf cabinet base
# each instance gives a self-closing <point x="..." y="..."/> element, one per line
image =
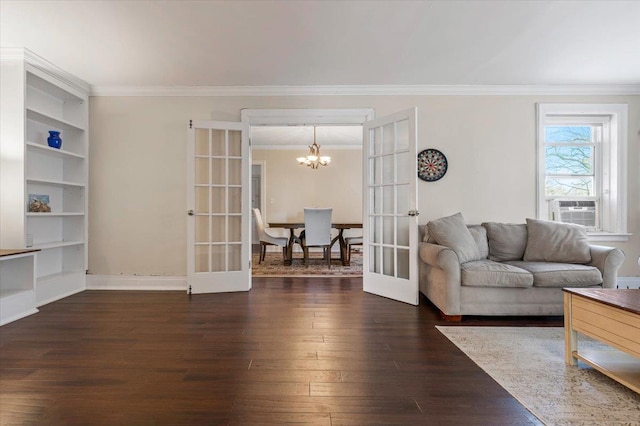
<point x="17" y="285"/>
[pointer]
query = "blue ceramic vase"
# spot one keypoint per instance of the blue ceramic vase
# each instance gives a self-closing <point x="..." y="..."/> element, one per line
<point x="54" y="139"/>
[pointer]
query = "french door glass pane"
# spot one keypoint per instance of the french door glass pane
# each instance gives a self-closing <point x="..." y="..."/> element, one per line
<point x="402" y="129"/>
<point x="388" y="260"/>
<point x="202" y="258"/>
<point x="202" y="171"/>
<point x="218" y="228"/>
<point x="404" y="168"/>
<point x="388" y="134"/>
<point x="388" y="200"/>
<point x="402" y="198"/>
<point x="202" y="142"/>
<point x="218" y="258"/>
<point x="219" y="197"/>
<point x="374" y="259"/>
<point x="218" y="143"/>
<point x="403" y="263"/>
<point x="235" y="200"/>
<point x="375" y="230"/>
<point x="388" y="231"/>
<point x="388" y="169"/>
<point x="202" y="199"/>
<point x="218" y="171"/>
<point x="235" y="229"/>
<point x="235" y="143"/>
<point x="235" y="257"/>
<point x="403" y="230"/>
<point x="235" y="171"/>
<point x="202" y="229"/>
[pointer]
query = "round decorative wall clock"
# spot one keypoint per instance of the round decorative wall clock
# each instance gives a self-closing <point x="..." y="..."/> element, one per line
<point x="432" y="165"/>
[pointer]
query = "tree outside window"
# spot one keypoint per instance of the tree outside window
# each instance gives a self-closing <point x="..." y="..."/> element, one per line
<point x="569" y="161"/>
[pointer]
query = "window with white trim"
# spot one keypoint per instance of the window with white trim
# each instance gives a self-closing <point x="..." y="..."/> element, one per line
<point x="582" y="176"/>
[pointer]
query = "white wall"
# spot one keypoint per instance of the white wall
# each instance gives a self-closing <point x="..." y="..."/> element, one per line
<point x="137" y="166"/>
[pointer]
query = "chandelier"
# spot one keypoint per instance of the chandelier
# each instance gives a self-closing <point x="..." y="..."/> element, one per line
<point x="313" y="158"/>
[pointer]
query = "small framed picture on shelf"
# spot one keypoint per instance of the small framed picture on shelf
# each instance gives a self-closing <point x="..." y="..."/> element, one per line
<point x="39" y="203"/>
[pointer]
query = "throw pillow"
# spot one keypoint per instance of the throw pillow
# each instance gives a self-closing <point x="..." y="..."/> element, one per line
<point x="556" y="242"/>
<point x="425" y="237"/>
<point x="507" y="241"/>
<point x="479" y="235"/>
<point x="452" y="232"/>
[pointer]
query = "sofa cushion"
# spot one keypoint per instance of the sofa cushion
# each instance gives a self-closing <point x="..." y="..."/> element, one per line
<point x="556" y="242"/>
<point x="452" y="232"/>
<point x="479" y="235"/>
<point x="550" y="274"/>
<point x="507" y="241"/>
<point x="487" y="273"/>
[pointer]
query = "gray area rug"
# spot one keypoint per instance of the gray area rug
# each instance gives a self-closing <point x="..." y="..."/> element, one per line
<point x="529" y="363"/>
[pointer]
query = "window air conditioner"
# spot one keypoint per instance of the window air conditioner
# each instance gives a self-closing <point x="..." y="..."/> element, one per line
<point x="578" y="212"/>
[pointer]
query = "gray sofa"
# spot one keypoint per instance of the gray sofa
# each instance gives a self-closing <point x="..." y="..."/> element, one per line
<point x="509" y="269"/>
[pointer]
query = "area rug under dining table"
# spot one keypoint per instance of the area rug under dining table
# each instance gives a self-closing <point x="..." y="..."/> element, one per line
<point x="529" y="363"/>
<point x="273" y="266"/>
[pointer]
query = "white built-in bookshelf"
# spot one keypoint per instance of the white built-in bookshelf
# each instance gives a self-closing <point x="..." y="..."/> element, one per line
<point x="36" y="98"/>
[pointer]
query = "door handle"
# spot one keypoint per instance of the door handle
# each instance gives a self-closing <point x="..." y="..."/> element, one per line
<point x="190" y="213"/>
<point x="413" y="213"/>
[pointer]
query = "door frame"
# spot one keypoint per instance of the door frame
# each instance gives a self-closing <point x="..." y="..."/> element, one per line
<point x="300" y="116"/>
<point x="303" y="116"/>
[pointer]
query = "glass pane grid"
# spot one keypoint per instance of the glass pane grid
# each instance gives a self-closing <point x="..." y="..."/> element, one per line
<point x="224" y="178"/>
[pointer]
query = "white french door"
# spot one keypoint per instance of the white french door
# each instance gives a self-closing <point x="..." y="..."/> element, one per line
<point x="218" y="207"/>
<point x="390" y="199"/>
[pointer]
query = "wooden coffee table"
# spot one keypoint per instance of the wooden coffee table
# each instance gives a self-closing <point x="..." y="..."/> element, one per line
<point x="611" y="316"/>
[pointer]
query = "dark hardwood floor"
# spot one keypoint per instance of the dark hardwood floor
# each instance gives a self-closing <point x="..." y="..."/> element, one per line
<point x="294" y="350"/>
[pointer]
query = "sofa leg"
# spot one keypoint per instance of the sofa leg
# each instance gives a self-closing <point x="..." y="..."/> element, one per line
<point x="451" y="318"/>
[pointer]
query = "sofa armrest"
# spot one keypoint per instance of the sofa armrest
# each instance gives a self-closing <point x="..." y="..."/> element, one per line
<point x="440" y="277"/>
<point x="608" y="260"/>
<point x="439" y="256"/>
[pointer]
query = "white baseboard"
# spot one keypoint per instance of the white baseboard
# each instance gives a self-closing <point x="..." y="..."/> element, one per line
<point x="629" y="282"/>
<point x="136" y="282"/>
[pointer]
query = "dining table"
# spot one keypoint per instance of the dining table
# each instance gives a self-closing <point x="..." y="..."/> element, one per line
<point x="341" y="227"/>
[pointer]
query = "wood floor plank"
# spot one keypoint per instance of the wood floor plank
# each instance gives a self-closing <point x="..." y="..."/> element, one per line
<point x="292" y="350"/>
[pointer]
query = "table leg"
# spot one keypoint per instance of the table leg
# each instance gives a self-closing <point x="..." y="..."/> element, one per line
<point x="292" y="238"/>
<point x="343" y="248"/>
<point x="570" y="335"/>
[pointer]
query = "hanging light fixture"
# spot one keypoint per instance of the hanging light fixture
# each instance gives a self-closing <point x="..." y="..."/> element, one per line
<point x="314" y="159"/>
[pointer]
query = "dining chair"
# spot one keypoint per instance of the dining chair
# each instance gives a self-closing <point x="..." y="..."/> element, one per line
<point x="317" y="232"/>
<point x="266" y="239"/>
<point x="352" y="241"/>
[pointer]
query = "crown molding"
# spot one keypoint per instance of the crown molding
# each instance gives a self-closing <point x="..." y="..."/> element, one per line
<point x="48" y="68"/>
<point x="404" y="90"/>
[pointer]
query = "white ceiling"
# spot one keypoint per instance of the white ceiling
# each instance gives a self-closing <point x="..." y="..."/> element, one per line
<point x="331" y="43"/>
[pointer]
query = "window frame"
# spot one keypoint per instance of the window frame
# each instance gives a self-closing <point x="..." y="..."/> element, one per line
<point x="610" y="162"/>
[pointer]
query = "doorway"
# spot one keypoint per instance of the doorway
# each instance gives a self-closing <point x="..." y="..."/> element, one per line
<point x="293" y="187"/>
